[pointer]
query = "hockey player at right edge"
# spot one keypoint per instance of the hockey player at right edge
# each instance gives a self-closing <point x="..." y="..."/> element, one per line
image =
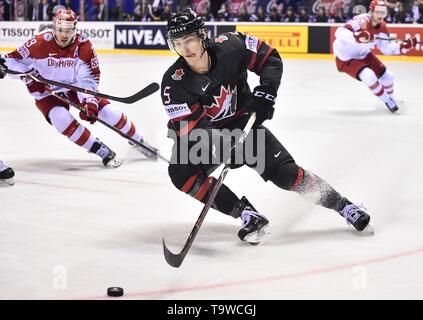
<point x="6" y="174"/>
<point x="352" y="48"/>
<point x="206" y="89"/>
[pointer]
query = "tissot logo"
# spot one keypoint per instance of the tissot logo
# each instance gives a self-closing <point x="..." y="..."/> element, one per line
<point x="140" y="37"/>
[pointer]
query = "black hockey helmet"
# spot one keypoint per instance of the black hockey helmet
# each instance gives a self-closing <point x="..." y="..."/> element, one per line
<point x="183" y="22"/>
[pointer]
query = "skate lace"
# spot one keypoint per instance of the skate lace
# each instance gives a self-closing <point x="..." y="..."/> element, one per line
<point x="103" y="152"/>
<point x="3" y="166"/>
<point x="246" y="216"/>
<point x="351" y="210"/>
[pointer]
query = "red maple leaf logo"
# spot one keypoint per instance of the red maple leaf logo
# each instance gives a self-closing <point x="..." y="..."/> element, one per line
<point x="220" y="39"/>
<point x="224" y="105"/>
<point x="178" y="74"/>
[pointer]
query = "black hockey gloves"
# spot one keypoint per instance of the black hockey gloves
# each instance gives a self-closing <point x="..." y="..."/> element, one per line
<point x="263" y="101"/>
<point x="3" y="68"/>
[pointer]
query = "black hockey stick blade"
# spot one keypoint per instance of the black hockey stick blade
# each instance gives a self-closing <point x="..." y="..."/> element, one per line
<point x="175" y="260"/>
<point x="148" y="90"/>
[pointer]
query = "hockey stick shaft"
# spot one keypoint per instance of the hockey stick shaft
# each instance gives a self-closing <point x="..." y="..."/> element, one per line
<point x="394" y="39"/>
<point x="80" y="108"/>
<point x="175" y="260"/>
<point x="145" y="92"/>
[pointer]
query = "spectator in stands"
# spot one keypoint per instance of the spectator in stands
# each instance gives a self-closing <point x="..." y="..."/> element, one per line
<point x="303" y="16"/>
<point x="116" y="12"/>
<point x="244" y="15"/>
<point x="261" y="14"/>
<point x="68" y="5"/>
<point x="42" y="11"/>
<point x="166" y="13"/>
<point x="275" y="4"/>
<point x="418" y="11"/>
<point x="100" y="11"/>
<point x="50" y="8"/>
<point x="274" y="15"/>
<point x="340" y="17"/>
<point x="321" y="15"/>
<point x="401" y="16"/>
<point x="223" y="14"/>
<point x="30" y="5"/>
<point x="215" y="5"/>
<point x="290" y="15"/>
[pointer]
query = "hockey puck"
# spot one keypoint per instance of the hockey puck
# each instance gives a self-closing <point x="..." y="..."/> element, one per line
<point x="115" y="292"/>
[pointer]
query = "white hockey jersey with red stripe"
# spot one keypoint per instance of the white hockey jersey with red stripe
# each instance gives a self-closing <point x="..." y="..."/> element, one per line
<point x="76" y="64"/>
<point x="345" y="47"/>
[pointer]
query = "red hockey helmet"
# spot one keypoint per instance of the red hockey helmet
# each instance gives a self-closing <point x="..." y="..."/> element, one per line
<point x="64" y="18"/>
<point x="64" y="27"/>
<point x="378" y="8"/>
<point x="377" y="5"/>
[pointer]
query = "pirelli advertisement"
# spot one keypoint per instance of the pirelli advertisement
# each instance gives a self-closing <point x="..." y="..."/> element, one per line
<point x="150" y="37"/>
<point x="289" y="39"/>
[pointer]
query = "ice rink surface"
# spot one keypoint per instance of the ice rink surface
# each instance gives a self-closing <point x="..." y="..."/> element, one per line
<point x="70" y="228"/>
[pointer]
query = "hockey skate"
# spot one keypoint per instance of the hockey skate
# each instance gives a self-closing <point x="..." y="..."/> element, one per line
<point x="392" y="105"/>
<point x="107" y="155"/>
<point x="254" y="224"/>
<point x="6" y="174"/>
<point x="153" y="154"/>
<point x="356" y="216"/>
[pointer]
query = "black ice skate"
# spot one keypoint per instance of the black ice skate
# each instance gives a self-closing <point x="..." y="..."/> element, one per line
<point x="356" y="216"/>
<point x="107" y="155"/>
<point x="6" y="174"/>
<point x="392" y="105"/>
<point x="147" y="153"/>
<point x="254" y="224"/>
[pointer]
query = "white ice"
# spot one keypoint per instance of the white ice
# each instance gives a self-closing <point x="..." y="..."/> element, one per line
<point x="69" y="228"/>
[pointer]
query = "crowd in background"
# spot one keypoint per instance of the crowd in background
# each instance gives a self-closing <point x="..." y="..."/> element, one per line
<point x="400" y="11"/>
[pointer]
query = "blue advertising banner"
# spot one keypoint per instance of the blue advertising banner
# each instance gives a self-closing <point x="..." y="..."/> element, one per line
<point x="135" y="36"/>
<point x="151" y="36"/>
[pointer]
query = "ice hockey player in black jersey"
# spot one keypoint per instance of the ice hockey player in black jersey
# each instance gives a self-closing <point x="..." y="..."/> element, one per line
<point x="206" y="89"/>
<point x="6" y="174"/>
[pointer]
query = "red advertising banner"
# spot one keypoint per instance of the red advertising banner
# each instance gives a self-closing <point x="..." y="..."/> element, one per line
<point x="397" y="33"/>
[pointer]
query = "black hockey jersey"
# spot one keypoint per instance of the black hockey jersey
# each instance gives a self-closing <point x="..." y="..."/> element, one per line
<point x="219" y="96"/>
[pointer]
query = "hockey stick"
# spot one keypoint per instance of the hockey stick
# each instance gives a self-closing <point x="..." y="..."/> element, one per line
<point x="80" y="108"/>
<point x="394" y="39"/>
<point x="148" y="90"/>
<point x="175" y="260"/>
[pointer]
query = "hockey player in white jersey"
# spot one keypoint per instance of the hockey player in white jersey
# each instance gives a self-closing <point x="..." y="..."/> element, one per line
<point x="6" y="173"/>
<point x="353" y="50"/>
<point x="66" y="56"/>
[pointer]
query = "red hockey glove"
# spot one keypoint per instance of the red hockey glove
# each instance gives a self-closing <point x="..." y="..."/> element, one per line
<point x="91" y="110"/>
<point x="408" y="44"/>
<point x="363" y="36"/>
<point x="32" y="85"/>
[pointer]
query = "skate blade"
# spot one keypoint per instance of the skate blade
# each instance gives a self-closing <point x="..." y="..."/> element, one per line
<point x="368" y="231"/>
<point x="114" y="163"/>
<point x="7" y="182"/>
<point x="256" y="237"/>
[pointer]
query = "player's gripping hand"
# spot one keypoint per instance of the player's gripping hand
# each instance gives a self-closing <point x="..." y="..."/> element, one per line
<point x="262" y="103"/>
<point x="363" y="36"/>
<point x="91" y="110"/>
<point x="3" y="68"/>
<point x="408" y="44"/>
<point x="32" y="85"/>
